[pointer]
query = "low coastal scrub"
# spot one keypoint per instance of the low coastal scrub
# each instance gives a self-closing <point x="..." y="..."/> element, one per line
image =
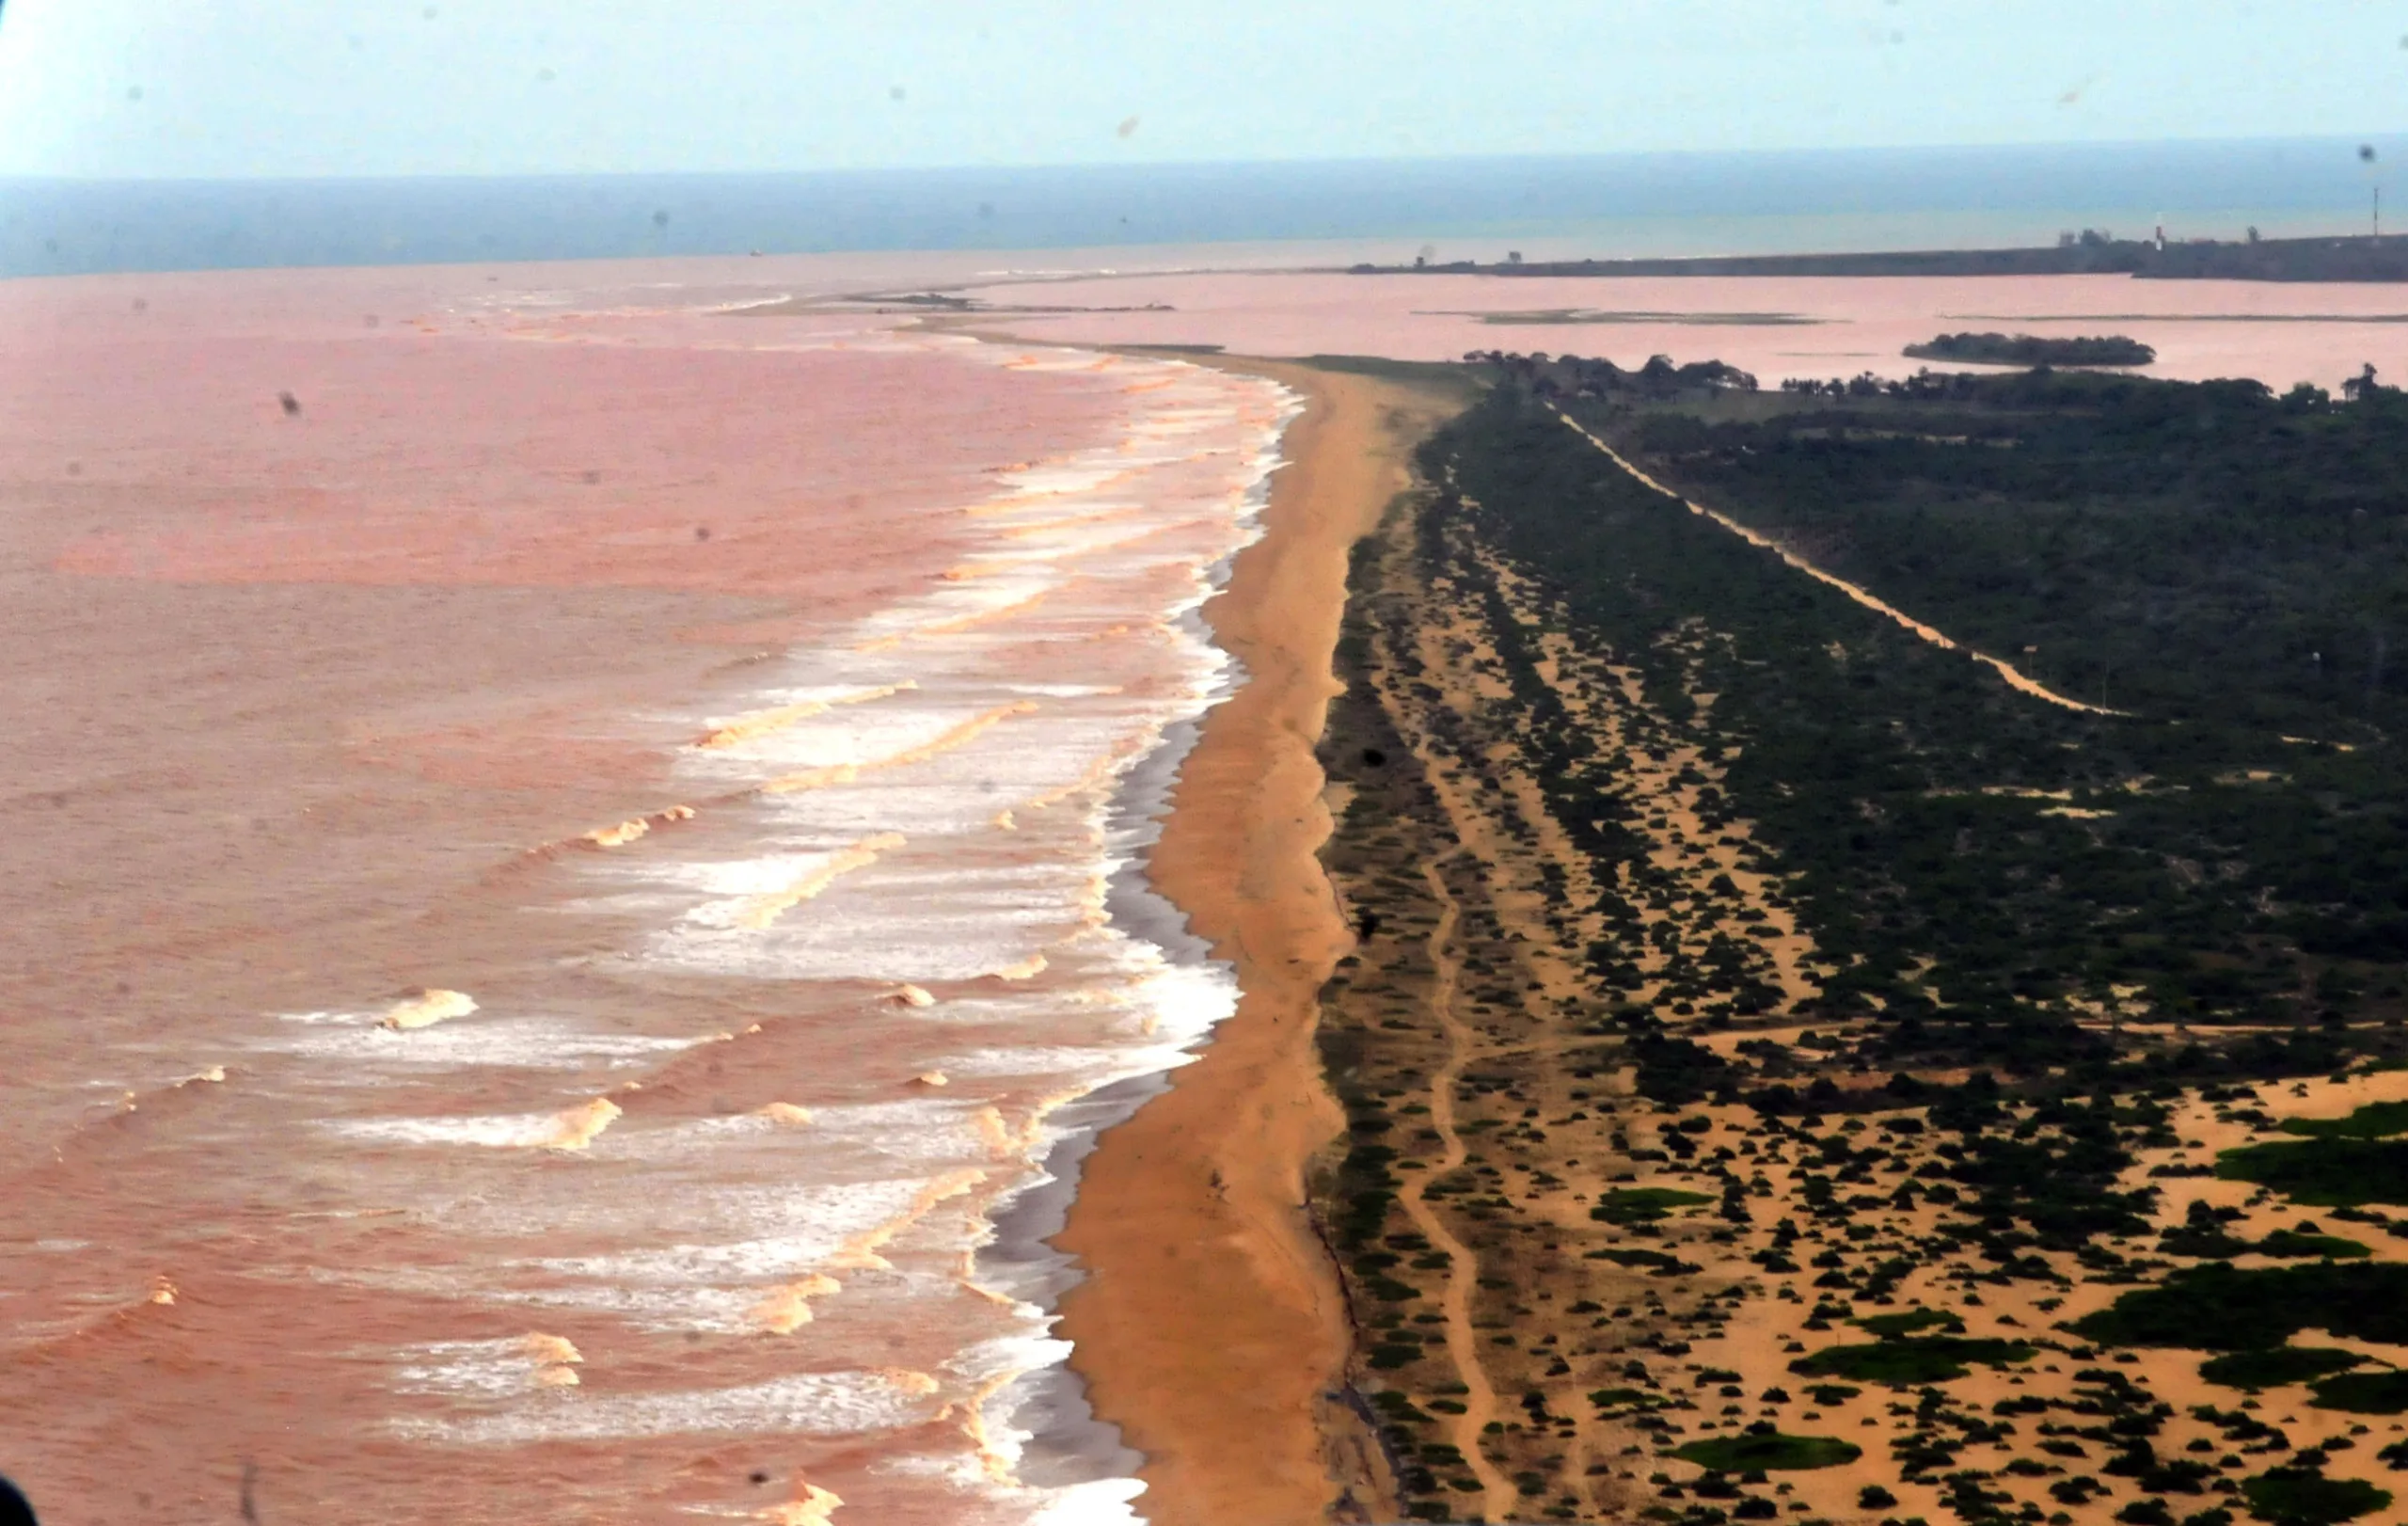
<point x="2375" y="1120"/>
<point x="2034" y="350"/>
<point x="2304" y="1497"/>
<point x="1761" y="1448"/>
<point x="1910" y="1360"/>
<point x="2272" y="1367"/>
<point x="2203" y="1235"/>
<point x="2330" y="1171"/>
<point x="1643" y="1205"/>
<point x="2364" y="1393"/>
<point x="1734" y="969"/>
<point x="1895" y="1326"/>
<point x="2220" y="1307"/>
<point x="1982" y="871"/>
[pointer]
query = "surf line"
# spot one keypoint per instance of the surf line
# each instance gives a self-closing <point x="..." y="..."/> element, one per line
<point x="2016" y="678"/>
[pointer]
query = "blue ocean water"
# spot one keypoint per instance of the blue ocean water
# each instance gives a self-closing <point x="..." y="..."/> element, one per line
<point x="1604" y="205"/>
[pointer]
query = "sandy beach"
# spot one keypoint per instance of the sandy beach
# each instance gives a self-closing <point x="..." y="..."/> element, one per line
<point x="1211" y="1328"/>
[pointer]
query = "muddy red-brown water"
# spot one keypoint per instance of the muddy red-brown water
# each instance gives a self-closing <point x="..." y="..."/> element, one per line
<point x="566" y="864"/>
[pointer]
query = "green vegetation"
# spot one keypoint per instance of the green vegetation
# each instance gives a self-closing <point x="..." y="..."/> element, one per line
<point x="2375" y="1120"/>
<point x="2220" y="1307"/>
<point x="2271" y="1367"/>
<point x="2304" y="1497"/>
<point x="2364" y="1393"/>
<point x="1985" y="869"/>
<point x="1767" y="1450"/>
<point x="2296" y="1244"/>
<point x="1655" y="1262"/>
<point x="1643" y="1205"/>
<point x="2032" y="350"/>
<point x="2034" y="928"/>
<point x="2328" y="1171"/>
<point x="1913" y="1360"/>
<point x="2202" y="1233"/>
<point x="1891" y="1327"/>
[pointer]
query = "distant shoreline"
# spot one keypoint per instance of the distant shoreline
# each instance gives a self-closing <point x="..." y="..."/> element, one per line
<point x="1550" y="206"/>
<point x="2354" y="258"/>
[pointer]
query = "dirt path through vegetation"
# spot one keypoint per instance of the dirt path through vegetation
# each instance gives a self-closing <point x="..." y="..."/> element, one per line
<point x="2016" y="678"/>
<point x="1463" y="1268"/>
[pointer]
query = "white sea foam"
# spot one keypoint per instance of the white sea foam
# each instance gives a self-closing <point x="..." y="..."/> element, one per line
<point x="524" y="1043"/>
<point x="574" y="1127"/>
<point x="812" y="1403"/>
<point x="487" y="1370"/>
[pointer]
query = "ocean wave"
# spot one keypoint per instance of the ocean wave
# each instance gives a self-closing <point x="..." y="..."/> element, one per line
<point x="841" y="1039"/>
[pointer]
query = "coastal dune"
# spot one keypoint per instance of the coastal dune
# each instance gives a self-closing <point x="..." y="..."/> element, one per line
<point x="1211" y="1328"/>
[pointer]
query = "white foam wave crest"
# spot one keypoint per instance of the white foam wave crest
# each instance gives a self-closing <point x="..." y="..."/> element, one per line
<point x="811" y="1404"/>
<point x="571" y="1128"/>
<point x="365" y="1053"/>
<point x="811" y="1227"/>
<point x="487" y="1370"/>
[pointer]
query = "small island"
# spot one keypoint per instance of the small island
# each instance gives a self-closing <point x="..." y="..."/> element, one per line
<point x="2032" y="350"/>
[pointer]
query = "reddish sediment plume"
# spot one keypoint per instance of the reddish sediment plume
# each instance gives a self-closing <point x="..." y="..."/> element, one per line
<point x="412" y="1116"/>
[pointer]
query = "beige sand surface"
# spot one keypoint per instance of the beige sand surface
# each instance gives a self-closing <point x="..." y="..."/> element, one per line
<point x="1212" y="1327"/>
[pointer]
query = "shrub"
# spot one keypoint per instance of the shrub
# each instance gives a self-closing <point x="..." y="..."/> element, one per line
<point x="2272" y="1367"/>
<point x="2364" y="1393"/>
<point x="1925" y="1360"/>
<point x="1769" y="1450"/>
<point x="2304" y="1497"/>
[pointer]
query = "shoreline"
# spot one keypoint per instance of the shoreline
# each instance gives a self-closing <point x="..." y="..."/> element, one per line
<point x="1209" y="1325"/>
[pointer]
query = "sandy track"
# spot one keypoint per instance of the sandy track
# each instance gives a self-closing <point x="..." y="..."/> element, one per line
<point x="2016" y="678"/>
<point x="1212" y="1327"/>
<point x="1463" y="1266"/>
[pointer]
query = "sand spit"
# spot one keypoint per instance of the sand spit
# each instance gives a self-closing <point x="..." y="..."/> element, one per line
<point x="1211" y="1329"/>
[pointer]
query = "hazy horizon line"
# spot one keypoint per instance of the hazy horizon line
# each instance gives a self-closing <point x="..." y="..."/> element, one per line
<point x="1142" y="167"/>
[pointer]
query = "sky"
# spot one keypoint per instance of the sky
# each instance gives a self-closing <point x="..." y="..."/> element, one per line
<point x="207" y="89"/>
